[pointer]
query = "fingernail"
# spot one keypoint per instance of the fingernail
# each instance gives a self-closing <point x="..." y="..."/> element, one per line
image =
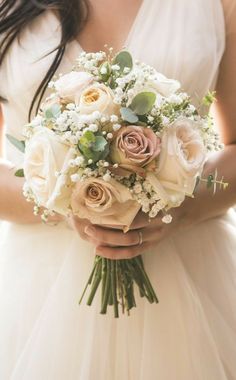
<point x="89" y="230"/>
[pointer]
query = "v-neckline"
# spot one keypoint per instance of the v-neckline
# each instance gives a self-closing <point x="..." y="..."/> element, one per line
<point x="127" y="40"/>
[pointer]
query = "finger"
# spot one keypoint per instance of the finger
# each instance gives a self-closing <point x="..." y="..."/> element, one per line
<point x="104" y="236"/>
<point x="79" y="226"/>
<point x="120" y="253"/>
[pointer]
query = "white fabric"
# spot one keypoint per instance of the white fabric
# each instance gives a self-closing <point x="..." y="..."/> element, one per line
<point x="191" y="333"/>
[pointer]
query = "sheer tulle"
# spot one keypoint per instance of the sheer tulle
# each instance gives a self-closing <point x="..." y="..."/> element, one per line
<point x="191" y="333"/>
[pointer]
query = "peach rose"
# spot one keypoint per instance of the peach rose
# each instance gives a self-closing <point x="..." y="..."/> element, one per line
<point x="106" y="203"/>
<point x="134" y="147"/>
<point x="97" y="97"/>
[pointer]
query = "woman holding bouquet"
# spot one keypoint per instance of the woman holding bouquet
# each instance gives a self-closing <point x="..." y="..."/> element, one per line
<point x="191" y="333"/>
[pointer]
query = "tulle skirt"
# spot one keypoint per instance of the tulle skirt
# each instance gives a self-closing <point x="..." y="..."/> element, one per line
<point x="189" y="335"/>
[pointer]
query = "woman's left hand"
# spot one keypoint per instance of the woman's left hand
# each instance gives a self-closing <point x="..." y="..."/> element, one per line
<point x="143" y="235"/>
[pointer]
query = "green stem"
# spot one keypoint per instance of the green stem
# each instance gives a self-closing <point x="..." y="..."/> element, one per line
<point x="119" y="284"/>
<point x="96" y="282"/>
<point x="114" y="288"/>
<point x="104" y="269"/>
<point x="127" y="287"/>
<point x="149" y="288"/>
<point x="136" y="278"/>
<point x="107" y="287"/>
<point x="97" y="259"/>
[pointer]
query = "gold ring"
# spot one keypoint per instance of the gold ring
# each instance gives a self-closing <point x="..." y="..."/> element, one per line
<point x="140" y="237"/>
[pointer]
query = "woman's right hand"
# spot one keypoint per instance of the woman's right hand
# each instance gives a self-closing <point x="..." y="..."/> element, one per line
<point x="105" y="236"/>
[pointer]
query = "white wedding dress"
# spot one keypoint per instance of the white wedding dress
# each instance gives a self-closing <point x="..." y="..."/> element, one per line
<point x="191" y="333"/>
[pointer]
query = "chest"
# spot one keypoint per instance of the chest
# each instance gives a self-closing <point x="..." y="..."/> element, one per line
<point x="109" y="23"/>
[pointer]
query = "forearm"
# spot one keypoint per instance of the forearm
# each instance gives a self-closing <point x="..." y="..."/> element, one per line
<point x="206" y="204"/>
<point x="13" y="205"/>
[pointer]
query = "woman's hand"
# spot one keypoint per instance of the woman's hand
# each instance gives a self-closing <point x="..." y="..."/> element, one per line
<point x="115" y="244"/>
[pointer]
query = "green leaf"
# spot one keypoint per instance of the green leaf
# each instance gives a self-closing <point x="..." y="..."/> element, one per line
<point x="104" y="153"/>
<point x="100" y="144"/>
<point x="128" y="115"/>
<point x="210" y="181"/>
<point x="19" y="173"/>
<point x="87" y="139"/>
<point x="53" y="112"/>
<point x="143" y="103"/>
<point x="93" y="147"/>
<point x="89" y="154"/>
<point x="209" y="98"/>
<point x="86" y="151"/>
<point x="17" y="143"/>
<point x="123" y="59"/>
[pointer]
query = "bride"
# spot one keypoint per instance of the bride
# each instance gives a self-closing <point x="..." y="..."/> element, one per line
<point x="191" y="333"/>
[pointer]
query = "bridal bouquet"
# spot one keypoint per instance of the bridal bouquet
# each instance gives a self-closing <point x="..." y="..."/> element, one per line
<point x="114" y="138"/>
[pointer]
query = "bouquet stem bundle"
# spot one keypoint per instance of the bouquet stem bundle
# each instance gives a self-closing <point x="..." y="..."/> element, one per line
<point x="117" y="279"/>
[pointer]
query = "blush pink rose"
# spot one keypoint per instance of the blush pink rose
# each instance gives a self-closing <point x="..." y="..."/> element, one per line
<point x="134" y="147"/>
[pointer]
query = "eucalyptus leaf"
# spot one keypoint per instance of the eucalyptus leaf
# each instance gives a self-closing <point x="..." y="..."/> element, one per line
<point x="86" y="152"/>
<point x="90" y="154"/>
<point x="123" y="59"/>
<point x="128" y="115"/>
<point x="100" y="144"/>
<point x="97" y="150"/>
<point x="87" y="139"/>
<point x="143" y="103"/>
<point x="17" y="143"/>
<point x="52" y="112"/>
<point x="210" y="180"/>
<point x="19" y="173"/>
<point x="104" y="153"/>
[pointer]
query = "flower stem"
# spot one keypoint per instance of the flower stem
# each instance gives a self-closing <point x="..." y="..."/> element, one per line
<point x="114" y="288"/>
<point x="150" y="291"/>
<point x="96" y="282"/>
<point x="97" y="258"/>
<point x="107" y="289"/>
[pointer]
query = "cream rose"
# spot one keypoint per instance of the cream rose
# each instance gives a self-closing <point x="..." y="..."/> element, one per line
<point x="134" y="147"/>
<point x="70" y="86"/>
<point x="162" y="85"/>
<point x="106" y="203"/>
<point x="97" y="97"/>
<point x="159" y="85"/>
<point x="182" y="157"/>
<point x="168" y="198"/>
<point x="45" y="155"/>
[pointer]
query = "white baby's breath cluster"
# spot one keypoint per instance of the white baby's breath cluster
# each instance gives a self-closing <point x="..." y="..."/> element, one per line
<point x="120" y="122"/>
<point x="149" y="199"/>
<point x="90" y="61"/>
